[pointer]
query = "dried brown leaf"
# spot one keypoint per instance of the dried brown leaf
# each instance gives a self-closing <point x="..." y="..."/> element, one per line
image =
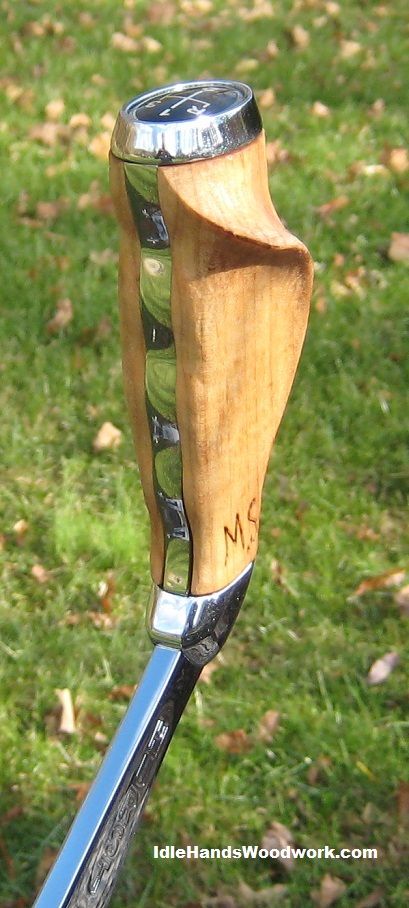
<point x="402" y="599"/>
<point x="266" y="98"/>
<point x="20" y="529"/>
<point x="329" y="208"/>
<point x="272" y="50"/>
<point x="269" y="896"/>
<point x="103" y="257"/>
<point x="49" y="133"/>
<point x="151" y="45"/>
<point x="396" y="159"/>
<point x="318" y="769"/>
<point x="234" y="742"/>
<point x="100" y="145"/>
<point x="381" y="668"/>
<point x="399" y="247"/>
<point x="319" y="109"/>
<point x="107" y="438"/>
<point x="276" y="154"/>
<point x="279" y="836"/>
<point x="106" y="590"/>
<point x="300" y="37"/>
<point x="372" y="900"/>
<point x="80" y="121"/>
<point x="331" y="889"/>
<point x="81" y="789"/>
<point x="247" y="65"/>
<point x="122" y="692"/>
<point x="125" y="43"/>
<point x="62" y="317"/>
<point x="54" y="109"/>
<point x="210" y="668"/>
<point x="67" y="717"/>
<point x="268" y="725"/>
<point x="49" y="211"/>
<point x="40" y="573"/>
<point x="102" y="621"/>
<point x="349" y="49"/>
<point x="381" y="581"/>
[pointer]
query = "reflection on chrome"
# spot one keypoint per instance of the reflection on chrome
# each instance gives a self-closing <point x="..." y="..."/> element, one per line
<point x="160" y="372"/>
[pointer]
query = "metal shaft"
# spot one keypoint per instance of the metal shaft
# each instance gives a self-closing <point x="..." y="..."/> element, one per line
<point x="86" y="870"/>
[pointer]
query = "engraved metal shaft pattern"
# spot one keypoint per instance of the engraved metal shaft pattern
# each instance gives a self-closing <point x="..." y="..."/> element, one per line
<point x="160" y="372"/>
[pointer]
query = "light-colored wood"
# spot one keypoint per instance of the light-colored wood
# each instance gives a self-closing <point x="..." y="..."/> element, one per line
<point x="241" y="287"/>
<point x="133" y="355"/>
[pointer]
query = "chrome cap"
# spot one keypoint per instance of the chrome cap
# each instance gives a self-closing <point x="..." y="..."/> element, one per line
<point x="186" y="122"/>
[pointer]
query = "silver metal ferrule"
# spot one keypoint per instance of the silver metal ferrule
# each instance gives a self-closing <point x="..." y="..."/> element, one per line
<point x="186" y="122"/>
<point x="197" y="625"/>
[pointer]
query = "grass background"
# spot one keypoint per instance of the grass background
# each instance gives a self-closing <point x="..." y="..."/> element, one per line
<point x="334" y="504"/>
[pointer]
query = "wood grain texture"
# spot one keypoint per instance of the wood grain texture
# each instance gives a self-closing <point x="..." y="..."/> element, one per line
<point x="133" y="355"/>
<point x="241" y="287"/>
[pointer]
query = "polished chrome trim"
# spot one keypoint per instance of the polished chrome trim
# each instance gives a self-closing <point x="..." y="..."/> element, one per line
<point x="197" y="625"/>
<point x="160" y="372"/>
<point x="175" y="124"/>
<point x="85" y="872"/>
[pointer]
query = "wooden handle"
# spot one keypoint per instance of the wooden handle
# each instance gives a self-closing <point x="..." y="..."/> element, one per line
<point x="240" y="292"/>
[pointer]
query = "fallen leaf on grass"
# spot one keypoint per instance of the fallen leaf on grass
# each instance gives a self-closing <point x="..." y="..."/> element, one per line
<point x="220" y="901"/>
<point x="329" y="208"/>
<point x="380" y="581"/>
<point x="372" y="900"/>
<point x="402" y="599"/>
<point x="40" y="573"/>
<point x="20" y="529"/>
<point x="102" y="621"/>
<point x="399" y="247"/>
<point x="381" y="668"/>
<point x="151" y="45"/>
<point x="300" y="37"/>
<point x="266" y="98"/>
<point x="49" y="133"/>
<point x="318" y="769"/>
<point x="125" y="43"/>
<point x="103" y="257"/>
<point x="329" y="892"/>
<point x="207" y="670"/>
<point x="276" y="154"/>
<point x="278" y="836"/>
<point x="349" y="49"/>
<point x="268" y="725"/>
<point x="62" y="317"/>
<point x="402" y="796"/>
<point x="106" y="590"/>
<point x="67" y="718"/>
<point x="100" y="145"/>
<point x="94" y="198"/>
<point x="108" y="437"/>
<point x="320" y="110"/>
<point x="269" y="896"/>
<point x="80" y="789"/>
<point x="54" y="109"/>
<point x="122" y="692"/>
<point x="49" y="211"/>
<point x="272" y="50"/>
<point x="234" y="742"/>
<point x="396" y="159"/>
